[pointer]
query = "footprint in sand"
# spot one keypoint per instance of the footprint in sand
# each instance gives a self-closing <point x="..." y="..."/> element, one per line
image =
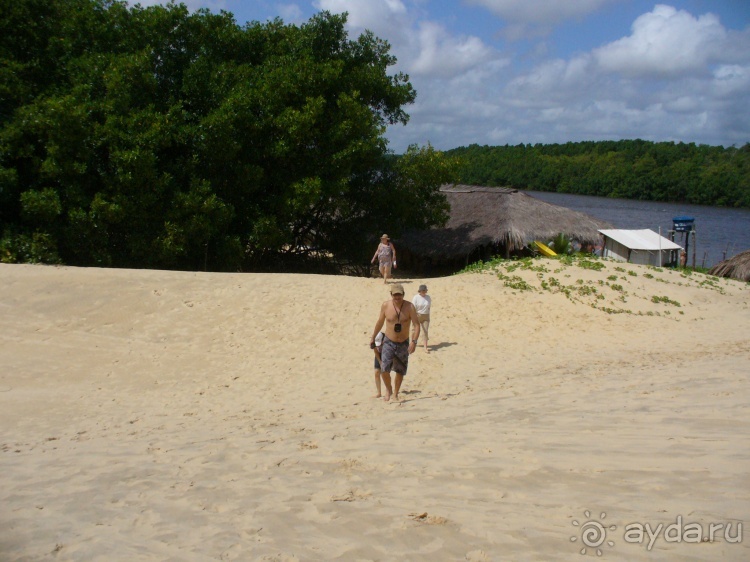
<point x="477" y="556"/>
<point x="428" y="519"/>
<point x="351" y="495"/>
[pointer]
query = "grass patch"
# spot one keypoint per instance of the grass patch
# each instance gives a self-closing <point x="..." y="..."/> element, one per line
<point x="515" y="282"/>
<point x="665" y="300"/>
<point x="590" y="293"/>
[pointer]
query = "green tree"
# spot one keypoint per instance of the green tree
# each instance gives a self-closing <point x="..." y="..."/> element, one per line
<point x="153" y="137"/>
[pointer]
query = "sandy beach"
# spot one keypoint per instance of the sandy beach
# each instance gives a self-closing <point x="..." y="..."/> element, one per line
<point x="180" y="416"/>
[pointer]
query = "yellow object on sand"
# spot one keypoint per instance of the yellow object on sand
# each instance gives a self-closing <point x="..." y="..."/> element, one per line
<point x="544" y="249"/>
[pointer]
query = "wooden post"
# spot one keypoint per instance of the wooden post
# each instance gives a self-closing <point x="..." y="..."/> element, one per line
<point x="693" y="232"/>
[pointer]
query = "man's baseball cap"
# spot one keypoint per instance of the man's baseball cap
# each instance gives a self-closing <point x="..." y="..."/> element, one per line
<point x="397" y="288"/>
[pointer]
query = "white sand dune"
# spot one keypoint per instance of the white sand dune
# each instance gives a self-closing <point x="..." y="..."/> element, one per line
<point x="152" y="415"/>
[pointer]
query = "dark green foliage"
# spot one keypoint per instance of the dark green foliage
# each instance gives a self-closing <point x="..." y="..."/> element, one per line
<point x="631" y="169"/>
<point x="153" y="137"/>
<point x="562" y="244"/>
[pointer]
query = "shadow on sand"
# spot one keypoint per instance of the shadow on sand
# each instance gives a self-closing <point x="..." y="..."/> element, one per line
<point x="441" y="346"/>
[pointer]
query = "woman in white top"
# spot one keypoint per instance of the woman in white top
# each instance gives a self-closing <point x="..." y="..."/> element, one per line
<point x="422" y="302"/>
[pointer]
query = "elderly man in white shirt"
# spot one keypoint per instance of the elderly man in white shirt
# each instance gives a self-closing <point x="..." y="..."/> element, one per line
<point x="422" y="302"/>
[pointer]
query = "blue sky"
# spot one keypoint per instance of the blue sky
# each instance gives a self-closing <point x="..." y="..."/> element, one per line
<point x="501" y="72"/>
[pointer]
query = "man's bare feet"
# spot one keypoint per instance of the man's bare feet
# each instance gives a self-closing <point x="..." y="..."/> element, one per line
<point x="387" y="396"/>
<point x="396" y="398"/>
<point x="378" y="395"/>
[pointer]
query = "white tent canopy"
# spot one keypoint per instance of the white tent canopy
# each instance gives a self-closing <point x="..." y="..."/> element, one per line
<point x="641" y="239"/>
<point x="639" y="246"/>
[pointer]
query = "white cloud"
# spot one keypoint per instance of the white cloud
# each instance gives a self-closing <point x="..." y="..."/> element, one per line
<point x="684" y="104"/>
<point x="553" y="81"/>
<point x="291" y="13"/>
<point x="379" y="16"/>
<point x="666" y="42"/>
<point x="440" y="54"/>
<point x="387" y="19"/>
<point x="732" y="80"/>
<point x="423" y="48"/>
<point x="676" y="77"/>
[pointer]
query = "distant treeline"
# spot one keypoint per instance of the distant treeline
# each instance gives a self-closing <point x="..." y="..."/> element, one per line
<point x="630" y="169"/>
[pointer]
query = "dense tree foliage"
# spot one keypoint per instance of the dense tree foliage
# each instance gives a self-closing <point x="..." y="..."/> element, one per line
<point x="156" y="137"/>
<point x="631" y="169"/>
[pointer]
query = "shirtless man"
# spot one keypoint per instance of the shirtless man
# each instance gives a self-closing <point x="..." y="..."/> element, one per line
<point x="398" y="315"/>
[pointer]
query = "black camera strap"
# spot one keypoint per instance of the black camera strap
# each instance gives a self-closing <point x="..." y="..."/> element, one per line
<point x="397" y="326"/>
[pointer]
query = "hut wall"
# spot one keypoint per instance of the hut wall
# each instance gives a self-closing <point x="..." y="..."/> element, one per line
<point x="650" y="257"/>
<point x="614" y="250"/>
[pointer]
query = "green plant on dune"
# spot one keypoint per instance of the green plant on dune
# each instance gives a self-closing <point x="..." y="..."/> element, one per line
<point x="580" y="290"/>
<point x="665" y="300"/>
<point x="515" y="282"/>
<point x="590" y="264"/>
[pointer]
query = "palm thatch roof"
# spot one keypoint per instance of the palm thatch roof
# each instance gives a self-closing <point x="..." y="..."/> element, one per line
<point x="499" y="216"/>
<point x="736" y="267"/>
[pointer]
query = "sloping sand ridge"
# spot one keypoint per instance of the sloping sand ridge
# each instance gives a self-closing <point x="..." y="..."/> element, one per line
<point x="152" y="415"/>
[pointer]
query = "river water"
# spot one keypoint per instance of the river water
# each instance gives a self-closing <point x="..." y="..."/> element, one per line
<point x="720" y="232"/>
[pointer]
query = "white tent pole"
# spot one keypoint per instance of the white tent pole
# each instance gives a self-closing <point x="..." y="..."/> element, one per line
<point x="660" y="246"/>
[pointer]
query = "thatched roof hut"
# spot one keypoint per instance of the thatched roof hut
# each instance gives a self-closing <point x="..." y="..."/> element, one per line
<point x="488" y="221"/>
<point x="736" y="267"/>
